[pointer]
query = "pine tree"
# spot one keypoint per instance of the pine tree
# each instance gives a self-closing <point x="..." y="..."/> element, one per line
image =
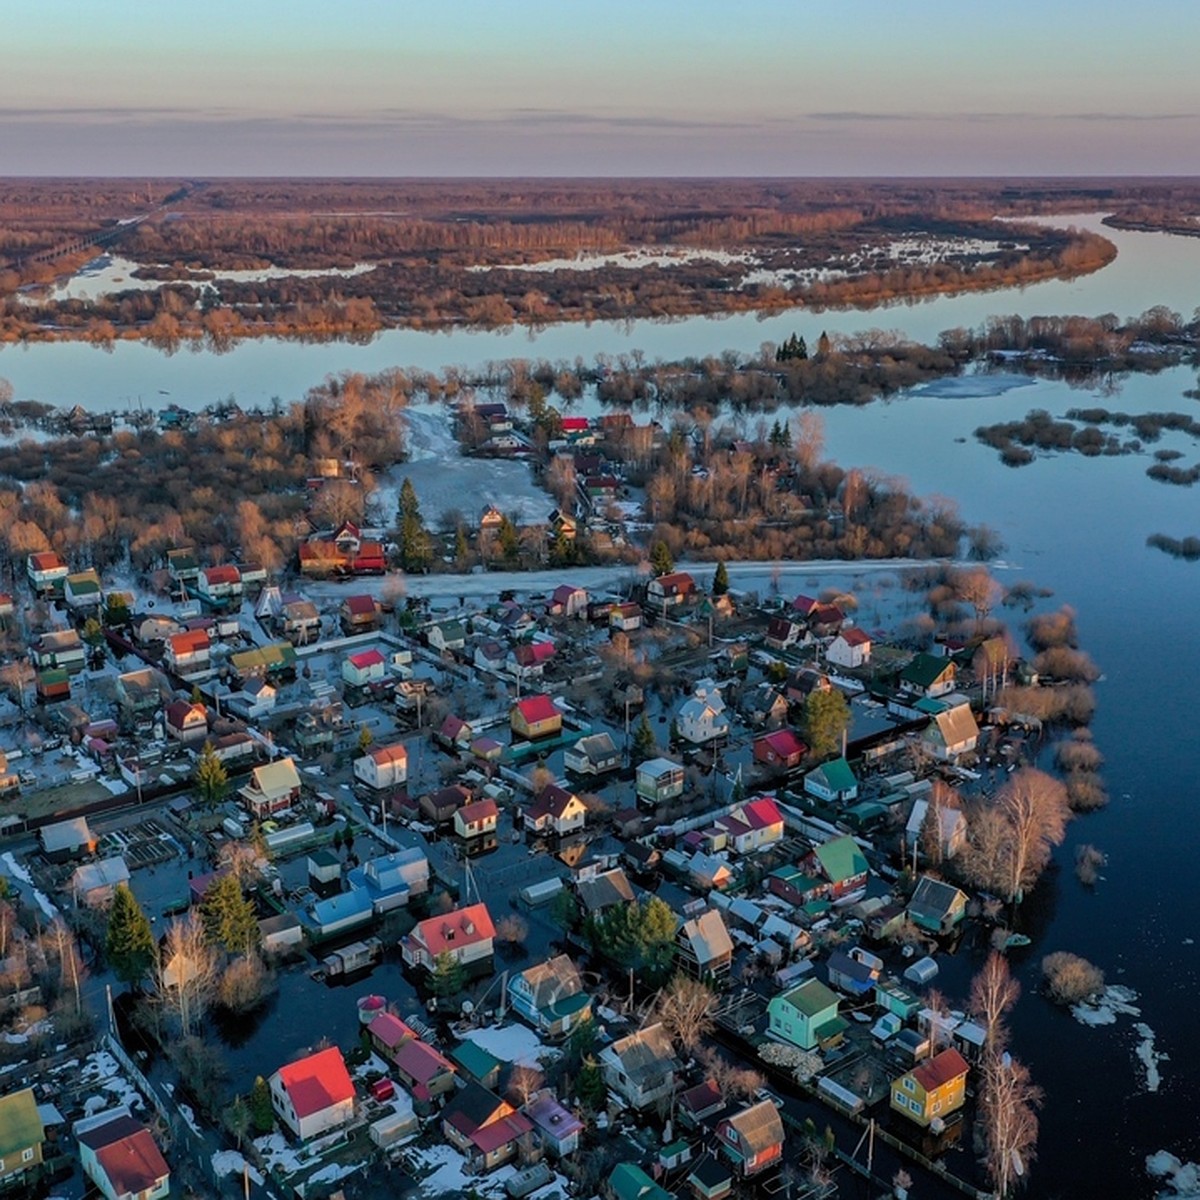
<point x="416" y="546"/>
<point x="661" y="562"/>
<point x="129" y="941"/>
<point x="720" y="579"/>
<point x="824" y="346"/>
<point x="228" y="917"/>
<point x="826" y="719"/>
<point x="262" y="1111"/>
<point x="365" y="739"/>
<point x="448" y="976"/>
<point x="212" y="780"/>
<point x="645" y="745"/>
<point x="509" y="540"/>
<point x="462" y="549"/>
<point x="590" y="1087"/>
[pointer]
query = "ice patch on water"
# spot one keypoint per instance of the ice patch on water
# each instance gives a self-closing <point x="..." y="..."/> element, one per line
<point x="1182" y="1179"/>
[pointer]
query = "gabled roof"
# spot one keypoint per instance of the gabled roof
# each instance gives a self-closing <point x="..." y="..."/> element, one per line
<point x="420" y="1061"/>
<point x="390" y="1030"/>
<point x="462" y="927"/>
<point x="758" y="1127"/>
<point x="925" y="670"/>
<point x="479" y="810"/>
<point x="841" y="859"/>
<point x="47" y="560"/>
<point x="629" y="1182"/>
<point x="956" y="725"/>
<point x="704" y="1097"/>
<point x="317" y="1082"/>
<point x="810" y="997"/>
<point x="935" y="898"/>
<point x="386" y="755"/>
<point x="180" y="712"/>
<point x="534" y="709"/>
<point x="596" y="746"/>
<point x="127" y="1154"/>
<point x="940" y="1069"/>
<point x="604" y="890"/>
<point x="365" y="659"/>
<point x="677" y="581"/>
<point x="552" y="980"/>
<point x="552" y="802"/>
<point x="785" y="743"/>
<point x="359" y="606"/>
<point x="647" y="1053"/>
<point x="854" y="636"/>
<point x="564" y="592"/>
<point x="276" y="778"/>
<point x="226" y="573"/>
<point x="837" y="775"/>
<point x="189" y="642"/>
<point x="761" y="813"/>
<point x="472" y="1107"/>
<point x="707" y="936"/>
<point x="20" y="1124"/>
<point x="551" y="1117"/>
<point x="533" y="654"/>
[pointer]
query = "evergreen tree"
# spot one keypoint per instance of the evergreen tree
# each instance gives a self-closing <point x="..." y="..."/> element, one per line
<point x="262" y="1111"/>
<point x="448" y="976"/>
<point x="645" y="744"/>
<point x="211" y="778"/>
<point x="824" y="346"/>
<point x="720" y="579"/>
<point x="801" y="349"/>
<point x="116" y="611"/>
<point x="129" y="941"/>
<point x="826" y="718"/>
<point x="508" y="539"/>
<point x="365" y="739"/>
<point x="462" y="548"/>
<point x="416" y="546"/>
<point x="228" y="917"/>
<point x="590" y="1086"/>
<point x="661" y="562"/>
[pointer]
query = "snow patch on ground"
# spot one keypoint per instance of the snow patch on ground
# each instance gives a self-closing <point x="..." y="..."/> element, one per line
<point x="513" y="1044"/>
<point x="103" y="1071"/>
<point x="277" y="1153"/>
<point x="43" y="902"/>
<point x="447" y="1173"/>
<point x="14" y="869"/>
<point x="1182" y="1179"/>
<point x="230" y="1162"/>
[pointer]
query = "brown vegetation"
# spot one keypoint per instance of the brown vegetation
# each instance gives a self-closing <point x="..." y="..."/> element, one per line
<point x="1070" y="979"/>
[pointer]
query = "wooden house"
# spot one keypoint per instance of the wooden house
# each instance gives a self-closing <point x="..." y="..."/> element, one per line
<point x="313" y="1094"/>
<point x="933" y="1090"/>
<point x="752" y="1139"/>
<point x="536" y="717"/>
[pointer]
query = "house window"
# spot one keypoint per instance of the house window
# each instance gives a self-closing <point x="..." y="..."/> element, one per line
<point x="27" y="1155"/>
<point x="909" y="1086"/>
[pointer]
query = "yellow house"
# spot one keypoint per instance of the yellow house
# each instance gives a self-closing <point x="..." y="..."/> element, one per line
<point x="21" y="1134"/>
<point x="536" y="717"/>
<point x="933" y="1090"/>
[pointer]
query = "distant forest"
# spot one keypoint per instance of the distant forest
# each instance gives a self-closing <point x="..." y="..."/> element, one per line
<point x="459" y="252"/>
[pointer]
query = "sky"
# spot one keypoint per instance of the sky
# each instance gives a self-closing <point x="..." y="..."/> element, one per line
<point x="571" y="87"/>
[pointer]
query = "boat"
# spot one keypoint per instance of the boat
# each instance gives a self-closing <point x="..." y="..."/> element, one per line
<point x="1015" y="939"/>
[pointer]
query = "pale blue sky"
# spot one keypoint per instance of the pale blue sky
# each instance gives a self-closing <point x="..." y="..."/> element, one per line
<point x="514" y="87"/>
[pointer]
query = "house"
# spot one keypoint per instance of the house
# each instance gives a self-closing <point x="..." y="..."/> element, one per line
<point x="298" y="620"/>
<point x="359" y="614"/>
<point x="659" y="780"/>
<point x="704" y="946"/>
<point x="446" y="636"/>
<point x="753" y="825"/>
<point x="275" y="659"/>
<point x="139" y="693"/>
<point x="780" y="750"/>
<point x="596" y="492"/>
<point x="490" y="655"/>
<point x="220" y="587"/>
<point x="854" y="973"/>
<point x="383" y="767"/>
<point x="68" y="839"/>
<point x="183" y="565"/>
<point x="628" y="1182"/>
<point x="466" y="934"/>
<point x="528" y="660"/>
<point x="952" y="733"/>
<point x="825" y="620"/>
<point x="280" y="933"/>
<point x="833" y="782"/>
<point x="605" y="889"/>
<point x="364" y="668"/>
<point x="52" y="684"/>
<point x="187" y="722"/>
<point x="59" y="650"/>
<point x="841" y="862"/>
<point x="390" y="880"/>
<point x="625" y="618"/>
<point x="932" y="1091"/>
<point x="120" y="1156"/>
<point x="81" y="592"/>
<point x="596" y="754"/>
<point x="272" y="788"/>
<point x="765" y="706"/>
<point x="536" y="717"/>
<point x="440" y="806"/>
<point x="476" y="819"/>
<point x="700" y="1103"/>
<point x="93" y="883"/>
<point x="641" y="1067"/>
<point x="783" y="632"/>
<point x="343" y="913"/>
<point x="313" y="1094"/>
<point x="47" y="573"/>
<point x="851" y="648"/>
<point x="188" y="653"/>
<point x="256" y="699"/>
<point x="802" y="683"/>
<point x="709" y="1179"/>
<point x="669" y="590"/>
<point x="935" y="906"/>
<point x="454" y="733"/>
<point x="806" y="1016"/>
<point x="343" y="552"/>
<point x="557" y="1128"/>
<point x="752" y="1139"/>
<point x="550" y="996"/>
<point x="568" y="601"/>
<point x="21" y="1133"/>
<point x="795" y="886"/>
<point x="422" y="1069"/>
<point x="486" y="1129"/>
<point x="555" y="811"/>
<point x="702" y="718"/>
<point x="952" y="823"/>
<point x="472" y="1061"/>
<point x="928" y="675"/>
<point x="563" y="525"/>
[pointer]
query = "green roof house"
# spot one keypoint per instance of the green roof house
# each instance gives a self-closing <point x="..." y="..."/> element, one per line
<point x="842" y="863"/>
<point x="833" y="782"/>
<point x="476" y="1063"/>
<point x="935" y="906"/>
<point x="629" y="1182"/>
<point x="928" y="675"/>
<point x="806" y="1016"/>
<point x="21" y="1134"/>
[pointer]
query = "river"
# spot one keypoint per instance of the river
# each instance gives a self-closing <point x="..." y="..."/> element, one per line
<point x="1076" y="525"/>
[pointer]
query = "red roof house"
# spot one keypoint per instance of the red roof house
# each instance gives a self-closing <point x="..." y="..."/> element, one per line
<point x="121" y="1157"/>
<point x="536" y="716"/>
<point x="313" y="1094"/>
<point x="781" y="750"/>
<point x="466" y="934"/>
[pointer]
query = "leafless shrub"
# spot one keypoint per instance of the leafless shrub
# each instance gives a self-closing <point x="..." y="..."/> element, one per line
<point x="1071" y="979"/>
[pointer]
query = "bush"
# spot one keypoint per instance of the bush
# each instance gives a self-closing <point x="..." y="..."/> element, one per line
<point x="1085" y="791"/>
<point x="1061" y="662"/>
<point x="245" y="984"/>
<point x="1078" y="754"/>
<point x="1088" y="861"/>
<point x="1071" y="979"/>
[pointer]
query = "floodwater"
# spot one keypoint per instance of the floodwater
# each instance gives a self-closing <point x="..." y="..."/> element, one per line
<point x="1076" y="525"/>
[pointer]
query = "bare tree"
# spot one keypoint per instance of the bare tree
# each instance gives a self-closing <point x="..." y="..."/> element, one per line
<point x="1008" y="1104"/>
<point x="686" y="1007"/>
<point x="1036" y="810"/>
<point x="731" y="1080"/>
<point x="993" y="993"/>
<point x="186" y="974"/>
